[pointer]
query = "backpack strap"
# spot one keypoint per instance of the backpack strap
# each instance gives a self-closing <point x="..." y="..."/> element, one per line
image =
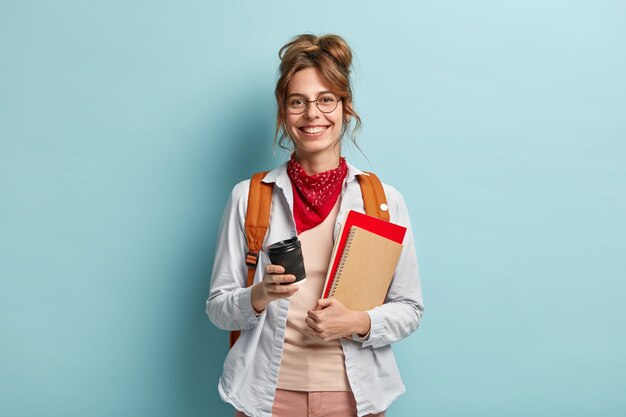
<point x="257" y="223"/>
<point x="374" y="199"/>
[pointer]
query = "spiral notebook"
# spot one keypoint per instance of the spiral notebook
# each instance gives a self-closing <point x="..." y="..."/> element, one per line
<point x="389" y="230"/>
<point x="365" y="270"/>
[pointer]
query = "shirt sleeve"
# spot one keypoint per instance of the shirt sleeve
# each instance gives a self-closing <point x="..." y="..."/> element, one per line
<point x="229" y="304"/>
<point x="402" y="311"/>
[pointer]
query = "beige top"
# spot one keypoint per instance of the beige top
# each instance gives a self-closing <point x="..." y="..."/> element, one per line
<point x="309" y="363"/>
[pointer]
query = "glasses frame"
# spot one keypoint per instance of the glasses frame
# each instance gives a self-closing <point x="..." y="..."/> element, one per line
<point x="317" y="104"/>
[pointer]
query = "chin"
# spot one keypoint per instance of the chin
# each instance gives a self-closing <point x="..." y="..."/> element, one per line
<point x="313" y="148"/>
<point x="315" y="145"/>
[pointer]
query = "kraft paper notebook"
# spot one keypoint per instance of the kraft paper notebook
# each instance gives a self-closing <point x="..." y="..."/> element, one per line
<point x="389" y="230"/>
<point x="365" y="270"/>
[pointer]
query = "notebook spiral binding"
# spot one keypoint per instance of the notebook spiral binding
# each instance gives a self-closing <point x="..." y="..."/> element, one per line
<point x="344" y="258"/>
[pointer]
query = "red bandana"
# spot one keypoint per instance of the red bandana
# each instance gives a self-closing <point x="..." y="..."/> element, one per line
<point x="314" y="196"/>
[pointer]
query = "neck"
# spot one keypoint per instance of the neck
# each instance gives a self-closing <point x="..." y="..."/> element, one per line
<point x="314" y="164"/>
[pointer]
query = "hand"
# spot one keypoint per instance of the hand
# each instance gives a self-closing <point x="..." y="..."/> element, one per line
<point x="330" y="320"/>
<point x="270" y="288"/>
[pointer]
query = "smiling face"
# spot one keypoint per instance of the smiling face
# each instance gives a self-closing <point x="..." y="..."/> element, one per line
<point x="314" y="134"/>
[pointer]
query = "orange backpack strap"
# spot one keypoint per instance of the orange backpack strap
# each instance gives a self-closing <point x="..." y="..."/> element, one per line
<point x="257" y="223"/>
<point x="374" y="199"/>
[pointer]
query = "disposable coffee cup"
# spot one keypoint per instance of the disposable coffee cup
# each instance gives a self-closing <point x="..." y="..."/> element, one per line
<point x="288" y="254"/>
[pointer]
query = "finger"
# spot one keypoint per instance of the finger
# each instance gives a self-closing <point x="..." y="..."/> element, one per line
<point x="313" y="315"/>
<point x="318" y="333"/>
<point x="282" y="278"/>
<point x="322" y="303"/>
<point x="312" y="331"/>
<point x="311" y="324"/>
<point x="270" y="279"/>
<point x="278" y="289"/>
<point x="274" y="269"/>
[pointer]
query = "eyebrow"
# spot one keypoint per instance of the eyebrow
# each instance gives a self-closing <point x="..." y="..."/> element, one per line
<point x="304" y="95"/>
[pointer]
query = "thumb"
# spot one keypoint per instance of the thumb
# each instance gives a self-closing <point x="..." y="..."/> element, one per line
<point x="322" y="303"/>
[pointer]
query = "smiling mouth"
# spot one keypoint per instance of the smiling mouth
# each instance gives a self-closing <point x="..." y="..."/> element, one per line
<point x="313" y="130"/>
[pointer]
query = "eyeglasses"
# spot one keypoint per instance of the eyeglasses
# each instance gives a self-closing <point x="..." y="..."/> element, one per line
<point x="326" y="103"/>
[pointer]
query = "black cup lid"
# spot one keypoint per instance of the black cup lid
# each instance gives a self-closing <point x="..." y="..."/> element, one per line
<point x="284" y="245"/>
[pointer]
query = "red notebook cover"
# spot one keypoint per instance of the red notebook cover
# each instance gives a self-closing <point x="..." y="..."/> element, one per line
<point x="385" y="229"/>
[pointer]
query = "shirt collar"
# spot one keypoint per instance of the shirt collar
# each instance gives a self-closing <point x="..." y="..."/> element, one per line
<point x="279" y="174"/>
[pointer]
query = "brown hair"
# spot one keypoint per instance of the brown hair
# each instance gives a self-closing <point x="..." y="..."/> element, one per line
<point x="332" y="56"/>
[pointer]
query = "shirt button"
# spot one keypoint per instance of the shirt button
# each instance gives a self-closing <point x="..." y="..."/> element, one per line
<point x="347" y="348"/>
<point x="356" y="382"/>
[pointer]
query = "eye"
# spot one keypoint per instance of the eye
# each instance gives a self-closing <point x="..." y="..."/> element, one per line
<point x="327" y="99"/>
<point x="296" y="102"/>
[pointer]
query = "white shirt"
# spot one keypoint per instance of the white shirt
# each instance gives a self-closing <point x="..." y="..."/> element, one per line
<point x="250" y="374"/>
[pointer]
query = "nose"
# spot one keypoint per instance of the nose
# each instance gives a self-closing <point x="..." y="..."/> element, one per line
<point x="311" y="111"/>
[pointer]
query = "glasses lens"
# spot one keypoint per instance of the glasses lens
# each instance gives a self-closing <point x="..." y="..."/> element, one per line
<point x="296" y="105"/>
<point x="327" y="102"/>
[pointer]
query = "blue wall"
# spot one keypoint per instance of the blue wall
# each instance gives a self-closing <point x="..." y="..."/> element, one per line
<point x="123" y="126"/>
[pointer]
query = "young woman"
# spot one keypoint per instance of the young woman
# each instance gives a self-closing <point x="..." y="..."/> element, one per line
<point x="300" y="355"/>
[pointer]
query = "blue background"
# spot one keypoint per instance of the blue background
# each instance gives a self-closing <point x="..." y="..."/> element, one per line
<point x="124" y="125"/>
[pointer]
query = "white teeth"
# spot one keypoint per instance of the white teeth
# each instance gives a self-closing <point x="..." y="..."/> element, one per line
<point x="313" y="129"/>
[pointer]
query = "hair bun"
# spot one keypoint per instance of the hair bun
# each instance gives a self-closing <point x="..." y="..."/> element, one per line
<point x="333" y="46"/>
<point x="337" y="47"/>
